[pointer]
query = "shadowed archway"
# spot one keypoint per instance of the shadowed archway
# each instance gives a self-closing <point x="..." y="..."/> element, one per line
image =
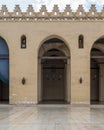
<point x="54" y="72"/>
<point x="4" y="71"/>
<point x="97" y="72"/>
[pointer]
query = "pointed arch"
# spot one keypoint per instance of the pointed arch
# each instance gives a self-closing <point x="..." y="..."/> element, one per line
<point x="56" y="37"/>
<point x="97" y="69"/>
<point x="4" y="70"/>
<point x="53" y="54"/>
<point x="98" y="41"/>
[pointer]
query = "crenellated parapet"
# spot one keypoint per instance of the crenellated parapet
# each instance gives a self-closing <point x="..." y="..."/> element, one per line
<point x="55" y="15"/>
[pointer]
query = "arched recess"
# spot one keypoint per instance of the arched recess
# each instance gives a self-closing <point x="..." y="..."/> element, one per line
<point x="54" y="72"/>
<point x="4" y="71"/>
<point x="97" y="72"/>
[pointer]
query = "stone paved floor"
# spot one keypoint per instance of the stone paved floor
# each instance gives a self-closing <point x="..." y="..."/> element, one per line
<point x="51" y="117"/>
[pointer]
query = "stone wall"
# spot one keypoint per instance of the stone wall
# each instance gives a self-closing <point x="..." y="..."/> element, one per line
<point x="23" y="62"/>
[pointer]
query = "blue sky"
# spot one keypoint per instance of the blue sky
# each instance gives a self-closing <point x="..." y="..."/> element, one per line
<point x="49" y="3"/>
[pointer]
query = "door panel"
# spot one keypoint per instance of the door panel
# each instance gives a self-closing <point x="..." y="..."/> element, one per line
<point x="94" y="84"/>
<point x="53" y="84"/>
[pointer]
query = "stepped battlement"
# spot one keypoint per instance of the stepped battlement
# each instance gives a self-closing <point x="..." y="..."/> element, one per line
<point x="55" y="15"/>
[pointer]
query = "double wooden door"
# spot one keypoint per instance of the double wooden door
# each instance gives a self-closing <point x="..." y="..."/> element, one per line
<point x="54" y="81"/>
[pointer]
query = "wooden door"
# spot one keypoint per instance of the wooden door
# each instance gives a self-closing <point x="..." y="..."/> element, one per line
<point x="54" y="82"/>
<point x="95" y="84"/>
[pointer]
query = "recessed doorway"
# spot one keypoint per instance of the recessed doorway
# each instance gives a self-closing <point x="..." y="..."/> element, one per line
<point x="53" y="73"/>
<point x="4" y="72"/>
<point x="54" y="81"/>
<point x="97" y="72"/>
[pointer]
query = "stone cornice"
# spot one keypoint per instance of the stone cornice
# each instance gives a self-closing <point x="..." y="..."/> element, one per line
<point x="55" y="15"/>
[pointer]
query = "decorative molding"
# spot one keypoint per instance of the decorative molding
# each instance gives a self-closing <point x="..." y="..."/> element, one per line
<point x="68" y="11"/>
<point x="17" y="12"/>
<point x="55" y="12"/>
<point x="30" y="11"/>
<point x="55" y="15"/>
<point x="93" y="12"/>
<point x="4" y="11"/>
<point x="80" y="12"/>
<point x="43" y="11"/>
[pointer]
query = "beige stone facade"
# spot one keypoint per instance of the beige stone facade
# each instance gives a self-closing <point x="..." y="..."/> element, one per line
<point x="25" y="62"/>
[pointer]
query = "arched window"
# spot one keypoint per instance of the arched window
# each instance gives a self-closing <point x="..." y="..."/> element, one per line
<point x="81" y="41"/>
<point x="23" y="41"/>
